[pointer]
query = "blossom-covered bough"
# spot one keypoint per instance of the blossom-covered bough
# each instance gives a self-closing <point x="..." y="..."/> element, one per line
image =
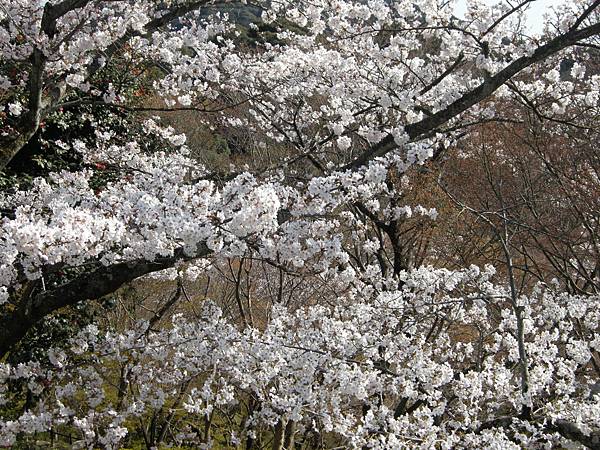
<point x="347" y="98"/>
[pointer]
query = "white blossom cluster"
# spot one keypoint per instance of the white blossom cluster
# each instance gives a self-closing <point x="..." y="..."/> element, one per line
<point x="163" y="203"/>
<point x="429" y="358"/>
<point x="357" y="71"/>
<point x="320" y="367"/>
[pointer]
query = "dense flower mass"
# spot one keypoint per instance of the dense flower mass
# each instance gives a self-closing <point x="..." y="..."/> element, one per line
<point x="316" y="367"/>
<point x="331" y="325"/>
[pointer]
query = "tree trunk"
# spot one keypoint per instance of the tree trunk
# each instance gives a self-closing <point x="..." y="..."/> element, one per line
<point x="290" y="430"/>
<point x="279" y="436"/>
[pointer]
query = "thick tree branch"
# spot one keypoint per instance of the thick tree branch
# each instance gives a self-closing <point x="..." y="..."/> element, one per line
<point x="87" y="286"/>
<point x="570" y="431"/>
<point x="481" y="92"/>
<point x="566" y="429"/>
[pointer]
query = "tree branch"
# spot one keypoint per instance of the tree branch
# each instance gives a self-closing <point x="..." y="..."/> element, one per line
<point x="471" y="98"/>
<point x="38" y="104"/>
<point x="570" y="431"/>
<point x="87" y="286"/>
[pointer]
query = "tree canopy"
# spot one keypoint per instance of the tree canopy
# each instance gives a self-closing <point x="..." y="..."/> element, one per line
<point x="307" y="224"/>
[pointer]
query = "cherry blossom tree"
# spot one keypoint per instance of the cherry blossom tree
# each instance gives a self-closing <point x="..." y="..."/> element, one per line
<point x="347" y="99"/>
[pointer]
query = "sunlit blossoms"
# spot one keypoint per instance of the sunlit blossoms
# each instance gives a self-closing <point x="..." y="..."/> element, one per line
<point x="242" y="195"/>
<point x="370" y="371"/>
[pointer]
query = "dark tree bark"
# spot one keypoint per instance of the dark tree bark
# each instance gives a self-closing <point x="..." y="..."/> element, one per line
<point x="33" y="307"/>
